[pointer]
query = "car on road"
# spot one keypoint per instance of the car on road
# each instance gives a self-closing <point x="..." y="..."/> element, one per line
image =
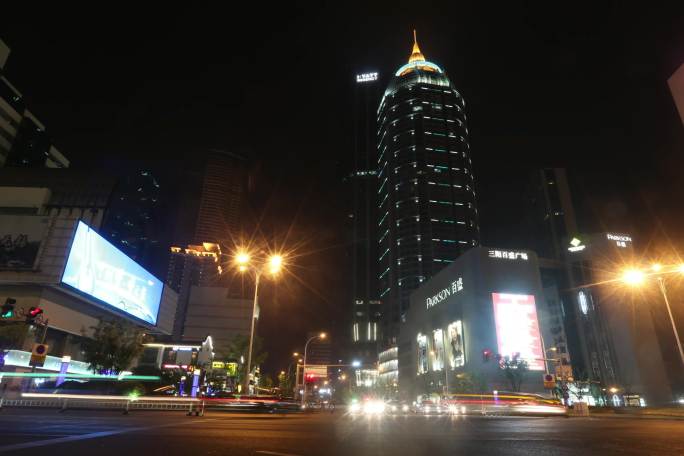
<point x="429" y="407"/>
<point x="395" y="407"/>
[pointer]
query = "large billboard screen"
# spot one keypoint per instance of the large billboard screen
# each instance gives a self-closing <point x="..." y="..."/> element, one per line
<point x="517" y="328"/>
<point x="99" y="269"/>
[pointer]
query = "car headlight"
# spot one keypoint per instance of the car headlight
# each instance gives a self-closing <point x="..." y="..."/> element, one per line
<point x="405" y="408"/>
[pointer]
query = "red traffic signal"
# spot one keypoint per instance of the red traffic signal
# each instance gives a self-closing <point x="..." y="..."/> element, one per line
<point x="33" y="313"/>
<point x="486" y="355"/>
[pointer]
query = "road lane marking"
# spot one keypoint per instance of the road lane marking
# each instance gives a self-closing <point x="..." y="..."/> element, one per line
<point x="275" y="453"/>
<point x="92" y="435"/>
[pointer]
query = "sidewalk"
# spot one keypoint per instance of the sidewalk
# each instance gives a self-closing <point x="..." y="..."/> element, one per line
<point x="676" y="413"/>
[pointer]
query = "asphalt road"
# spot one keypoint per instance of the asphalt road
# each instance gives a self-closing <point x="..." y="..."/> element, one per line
<point x="46" y="432"/>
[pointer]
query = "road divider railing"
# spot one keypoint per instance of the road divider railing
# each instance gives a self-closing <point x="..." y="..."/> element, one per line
<point x="62" y="402"/>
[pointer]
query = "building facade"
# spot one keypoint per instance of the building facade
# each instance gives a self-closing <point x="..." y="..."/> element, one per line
<point x="23" y="140"/>
<point x="611" y="328"/>
<point x="363" y="182"/>
<point x="212" y="199"/>
<point x="483" y="305"/>
<point x="130" y="220"/>
<point x="193" y="266"/>
<point x="427" y="214"/>
<point x="50" y="259"/>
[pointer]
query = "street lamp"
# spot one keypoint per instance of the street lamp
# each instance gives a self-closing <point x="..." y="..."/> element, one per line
<point x="306" y="347"/>
<point x="244" y="262"/>
<point x="634" y="277"/>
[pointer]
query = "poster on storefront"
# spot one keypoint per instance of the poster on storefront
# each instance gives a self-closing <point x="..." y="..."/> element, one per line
<point x="20" y="239"/>
<point x="422" y="354"/>
<point x="438" y="352"/>
<point x="456" y="345"/>
<point x="517" y="328"/>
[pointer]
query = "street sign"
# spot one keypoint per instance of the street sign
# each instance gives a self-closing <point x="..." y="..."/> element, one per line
<point x="218" y="365"/>
<point x="549" y="381"/>
<point x="38" y="355"/>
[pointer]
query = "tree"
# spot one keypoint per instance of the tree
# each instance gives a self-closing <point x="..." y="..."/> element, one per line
<point x="514" y="370"/>
<point x="236" y="350"/>
<point x="285" y="382"/>
<point x="113" y="346"/>
<point x="468" y="382"/>
<point x="12" y="334"/>
<point x="266" y="381"/>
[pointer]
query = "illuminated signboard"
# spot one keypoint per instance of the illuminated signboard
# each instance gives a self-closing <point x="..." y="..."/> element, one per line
<point x="517" y="328"/>
<point x="620" y="239"/>
<point x="455" y="287"/>
<point x="366" y="77"/>
<point x="97" y="268"/>
<point x="576" y="245"/>
<point x="456" y="346"/>
<point x="422" y="353"/>
<point x="508" y="255"/>
<point x="438" y="349"/>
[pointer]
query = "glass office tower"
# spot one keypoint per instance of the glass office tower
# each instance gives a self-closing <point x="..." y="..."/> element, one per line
<point x="427" y="215"/>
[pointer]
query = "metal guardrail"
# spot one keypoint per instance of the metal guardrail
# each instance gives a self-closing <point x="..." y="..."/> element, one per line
<point x="191" y="406"/>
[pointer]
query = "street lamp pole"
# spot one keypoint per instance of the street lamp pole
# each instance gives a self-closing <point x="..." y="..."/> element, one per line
<point x="661" y="284"/>
<point x="306" y="347"/>
<point x="251" y="331"/>
<point x="243" y="260"/>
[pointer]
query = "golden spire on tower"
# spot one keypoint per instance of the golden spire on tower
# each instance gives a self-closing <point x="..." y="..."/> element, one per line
<point x="416" y="55"/>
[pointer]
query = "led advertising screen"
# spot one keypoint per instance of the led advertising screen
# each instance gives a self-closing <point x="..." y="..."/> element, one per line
<point x="517" y="328"/>
<point x="97" y="268"/>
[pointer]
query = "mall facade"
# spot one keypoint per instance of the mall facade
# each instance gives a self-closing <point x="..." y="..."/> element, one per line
<point x="483" y="305"/>
<point x="56" y="261"/>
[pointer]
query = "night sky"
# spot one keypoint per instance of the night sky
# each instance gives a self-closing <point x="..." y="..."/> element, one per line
<point x="584" y="87"/>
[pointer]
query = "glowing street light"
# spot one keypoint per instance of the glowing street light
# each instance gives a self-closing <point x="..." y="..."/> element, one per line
<point x="242" y="258"/>
<point x="633" y="277"/>
<point x="306" y="347"/>
<point x="275" y="263"/>
<point x="244" y="262"/>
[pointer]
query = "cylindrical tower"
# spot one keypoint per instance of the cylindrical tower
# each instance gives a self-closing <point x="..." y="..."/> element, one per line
<point x="427" y="215"/>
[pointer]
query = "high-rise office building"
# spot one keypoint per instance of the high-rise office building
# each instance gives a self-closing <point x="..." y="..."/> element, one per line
<point x="130" y="220"/>
<point x="213" y="195"/>
<point x="23" y="140"/>
<point x="192" y="266"/>
<point x="363" y="183"/>
<point x="427" y="214"/>
<point x="550" y="212"/>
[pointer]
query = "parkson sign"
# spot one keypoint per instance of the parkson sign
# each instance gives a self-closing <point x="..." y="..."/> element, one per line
<point x="456" y="286"/>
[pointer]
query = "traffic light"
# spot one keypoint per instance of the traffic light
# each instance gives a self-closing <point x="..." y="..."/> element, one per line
<point x="32" y="314"/>
<point x="8" y="308"/>
<point x="486" y="355"/>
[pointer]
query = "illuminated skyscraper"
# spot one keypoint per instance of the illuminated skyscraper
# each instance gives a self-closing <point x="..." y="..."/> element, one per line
<point x="363" y="216"/>
<point x="427" y="214"/>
